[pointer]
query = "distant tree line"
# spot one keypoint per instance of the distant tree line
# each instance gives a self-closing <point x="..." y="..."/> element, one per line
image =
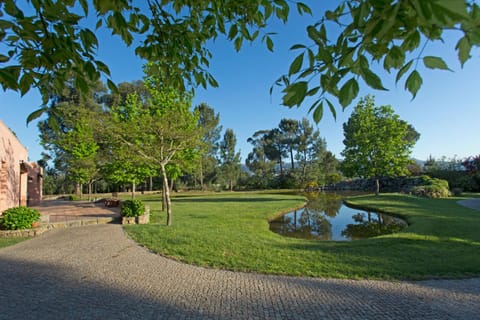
<point x="148" y="137"/>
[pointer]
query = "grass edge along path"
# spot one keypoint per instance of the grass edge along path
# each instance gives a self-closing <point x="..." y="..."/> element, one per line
<point x="5" y="242"/>
<point x="230" y="231"/>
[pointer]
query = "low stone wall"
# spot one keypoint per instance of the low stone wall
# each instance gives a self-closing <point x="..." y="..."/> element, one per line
<point x="396" y="184"/>
<point x="25" y="233"/>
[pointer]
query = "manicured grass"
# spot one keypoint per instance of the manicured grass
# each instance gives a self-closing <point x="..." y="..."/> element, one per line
<point x="5" y="242"/>
<point x="230" y="231"/>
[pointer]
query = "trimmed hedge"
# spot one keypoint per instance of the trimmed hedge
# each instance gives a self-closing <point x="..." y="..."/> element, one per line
<point x="433" y="188"/>
<point x="132" y="208"/>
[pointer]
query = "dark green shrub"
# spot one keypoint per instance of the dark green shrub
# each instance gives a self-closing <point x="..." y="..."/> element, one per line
<point x="457" y="192"/>
<point x="19" y="218"/>
<point x="433" y="188"/>
<point x="74" y="198"/>
<point x="132" y="208"/>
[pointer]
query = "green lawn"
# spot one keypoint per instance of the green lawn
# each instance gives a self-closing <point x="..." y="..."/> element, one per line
<point x="5" y="242"/>
<point x="230" y="231"/>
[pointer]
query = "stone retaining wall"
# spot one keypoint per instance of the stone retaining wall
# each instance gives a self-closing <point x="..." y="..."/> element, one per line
<point x="25" y="233"/>
<point x="387" y="184"/>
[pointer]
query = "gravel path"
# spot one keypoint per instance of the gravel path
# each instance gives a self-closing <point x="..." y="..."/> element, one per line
<point x="96" y="272"/>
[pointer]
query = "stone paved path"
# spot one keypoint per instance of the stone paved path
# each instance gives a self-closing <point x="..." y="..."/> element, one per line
<point x="66" y="211"/>
<point x="96" y="272"/>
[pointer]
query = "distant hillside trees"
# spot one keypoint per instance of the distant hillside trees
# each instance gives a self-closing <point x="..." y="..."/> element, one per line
<point x="310" y="162"/>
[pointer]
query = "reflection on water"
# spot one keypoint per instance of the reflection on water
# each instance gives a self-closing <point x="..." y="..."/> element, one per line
<point x="326" y="218"/>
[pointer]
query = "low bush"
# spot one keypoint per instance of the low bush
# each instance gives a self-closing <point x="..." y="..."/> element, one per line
<point x="132" y="208"/>
<point x="19" y="218"/>
<point x="433" y="188"/>
<point x="73" y="198"/>
<point x="457" y="192"/>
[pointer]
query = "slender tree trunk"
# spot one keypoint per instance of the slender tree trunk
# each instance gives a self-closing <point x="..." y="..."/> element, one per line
<point x="171" y="185"/>
<point x="167" y="196"/>
<point x="163" y="196"/>
<point x="281" y="167"/>
<point x="377" y="186"/>
<point x="133" y="190"/>
<point x="151" y="183"/>
<point x="201" y="174"/>
<point x="291" y="158"/>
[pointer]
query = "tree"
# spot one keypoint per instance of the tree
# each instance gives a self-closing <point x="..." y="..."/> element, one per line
<point x="229" y="158"/>
<point x="376" y="143"/>
<point x="257" y="162"/>
<point x="308" y="151"/>
<point x="35" y="53"/>
<point x="161" y="131"/>
<point x="289" y="130"/>
<point x="44" y="43"/>
<point x="208" y="123"/>
<point x="472" y="164"/>
<point x="69" y="134"/>
<point x="392" y="34"/>
<point x="274" y="148"/>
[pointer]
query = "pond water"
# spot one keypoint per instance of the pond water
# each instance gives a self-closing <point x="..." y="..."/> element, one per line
<point x="325" y="217"/>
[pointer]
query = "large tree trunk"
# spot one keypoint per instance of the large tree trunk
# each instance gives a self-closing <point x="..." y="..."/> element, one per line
<point x="167" y="195"/>
<point x="90" y="191"/>
<point x="78" y="189"/>
<point x="377" y="186"/>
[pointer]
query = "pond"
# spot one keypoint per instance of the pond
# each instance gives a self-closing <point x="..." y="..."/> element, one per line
<point x="325" y="217"/>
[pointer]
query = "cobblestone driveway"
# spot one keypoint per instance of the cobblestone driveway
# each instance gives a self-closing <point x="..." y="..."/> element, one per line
<point x="96" y="272"/>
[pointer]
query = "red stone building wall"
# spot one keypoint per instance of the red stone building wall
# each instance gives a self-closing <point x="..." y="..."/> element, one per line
<point x="15" y="172"/>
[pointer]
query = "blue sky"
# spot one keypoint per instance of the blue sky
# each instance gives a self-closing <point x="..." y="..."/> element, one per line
<point x="446" y="111"/>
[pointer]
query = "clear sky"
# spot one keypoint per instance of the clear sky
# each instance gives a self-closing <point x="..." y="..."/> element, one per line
<point x="446" y="111"/>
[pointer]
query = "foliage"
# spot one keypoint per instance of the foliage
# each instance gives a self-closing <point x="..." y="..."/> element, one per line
<point x="306" y="149"/>
<point x="73" y="197"/>
<point x="459" y="174"/>
<point x="19" y="218"/>
<point x="208" y="123"/>
<point x="35" y="52"/>
<point x="472" y="164"/>
<point x="375" y="142"/>
<point x="229" y="158"/>
<point x="368" y="229"/>
<point x="367" y="33"/>
<point x="230" y="231"/>
<point x="433" y="188"/>
<point x="69" y="134"/>
<point x="160" y="131"/>
<point x="132" y="208"/>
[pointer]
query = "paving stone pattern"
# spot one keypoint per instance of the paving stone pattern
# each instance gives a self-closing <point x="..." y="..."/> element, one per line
<point x="96" y="272"/>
